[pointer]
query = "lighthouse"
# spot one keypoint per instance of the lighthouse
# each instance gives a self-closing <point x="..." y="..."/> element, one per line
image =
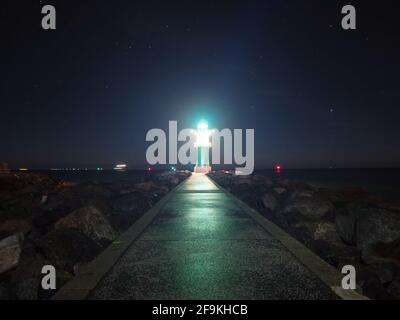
<point x="202" y="146"/>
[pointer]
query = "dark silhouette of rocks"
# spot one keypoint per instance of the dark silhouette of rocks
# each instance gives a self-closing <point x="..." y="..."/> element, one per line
<point x="44" y="220"/>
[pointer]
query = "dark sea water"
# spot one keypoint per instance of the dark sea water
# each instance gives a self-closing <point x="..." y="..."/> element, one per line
<point x="383" y="182"/>
<point x="102" y="176"/>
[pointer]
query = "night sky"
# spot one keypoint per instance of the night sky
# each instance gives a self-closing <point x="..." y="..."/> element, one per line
<point x="87" y="93"/>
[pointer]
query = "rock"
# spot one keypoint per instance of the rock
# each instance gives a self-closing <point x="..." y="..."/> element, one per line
<point x="376" y="225"/>
<point x="269" y="201"/>
<point x="27" y="289"/>
<point x="268" y="182"/>
<point x="130" y="203"/>
<point x="121" y="187"/>
<point x="394" y="288"/>
<point x="242" y="180"/>
<point x="279" y="190"/>
<point x="382" y="253"/>
<point x="170" y="177"/>
<point x="326" y="231"/>
<point x="258" y="178"/>
<point x="334" y="254"/>
<point x="312" y="208"/>
<point x="56" y="207"/>
<point x="393" y="206"/>
<point x="44" y="199"/>
<point x="371" y="285"/>
<point x="146" y="186"/>
<point x="92" y="190"/>
<point x="282" y="182"/>
<point x="10" y="250"/>
<point x="5" y="293"/>
<point x="346" y="227"/>
<point x="10" y="227"/>
<point x="62" y="277"/>
<point x="91" y="222"/>
<point x="384" y="273"/>
<point x="302" y="193"/>
<point x="127" y="209"/>
<point x="67" y="247"/>
<point x="363" y="226"/>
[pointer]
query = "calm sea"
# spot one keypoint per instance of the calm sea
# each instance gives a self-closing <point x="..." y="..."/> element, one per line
<point x="384" y="182"/>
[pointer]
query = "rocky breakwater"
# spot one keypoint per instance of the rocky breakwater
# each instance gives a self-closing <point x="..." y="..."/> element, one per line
<point x="46" y="221"/>
<point x="343" y="227"/>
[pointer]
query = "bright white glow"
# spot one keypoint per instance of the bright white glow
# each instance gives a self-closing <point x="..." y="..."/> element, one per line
<point x="203" y="139"/>
<point x="202" y="135"/>
<point x="202" y="125"/>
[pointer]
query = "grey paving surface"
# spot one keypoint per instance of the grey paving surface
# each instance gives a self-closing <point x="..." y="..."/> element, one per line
<point x="202" y="246"/>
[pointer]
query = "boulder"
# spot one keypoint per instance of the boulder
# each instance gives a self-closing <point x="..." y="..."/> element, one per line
<point x="5" y="293"/>
<point x="384" y="272"/>
<point x="371" y="284"/>
<point x="170" y="177"/>
<point x="326" y="231"/>
<point x="10" y="251"/>
<point x="10" y="227"/>
<point x="334" y="254"/>
<point x="302" y="193"/>
<point x="146" y="186"/>
<point x="91" y="222"/>
<point x="257" y="178"/>
<point x="382" y="253"/>
<point x="133" y="202"/>
<point x="280" y="190"/>
<point x="92" y="190"/>
<point x="394" y="288"/>
<point x="57" y="206"/>
<point x="68" y="247"/>
<point x="242" y="180"/>
<point x="311" y="208"/>
<point x="26" y="280"/>
<point x="346" y="227"/>
<point x="269" y="201"/>
<point x="376" y="225"/>
<point x="127" y="208"/>
<point x="27" y="289"/>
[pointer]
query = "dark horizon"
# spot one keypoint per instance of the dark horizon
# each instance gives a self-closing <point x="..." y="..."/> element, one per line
<point x="87" y="93"/>
<point x="109" y="167"/>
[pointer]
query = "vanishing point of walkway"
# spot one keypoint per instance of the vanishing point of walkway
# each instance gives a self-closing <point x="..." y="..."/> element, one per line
<point x="202" y="244"/>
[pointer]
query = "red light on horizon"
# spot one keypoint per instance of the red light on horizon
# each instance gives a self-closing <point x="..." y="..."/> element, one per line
<point x="278" y="168"/>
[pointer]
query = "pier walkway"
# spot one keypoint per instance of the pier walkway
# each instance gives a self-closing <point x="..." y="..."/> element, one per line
<point x="200" y="242"/>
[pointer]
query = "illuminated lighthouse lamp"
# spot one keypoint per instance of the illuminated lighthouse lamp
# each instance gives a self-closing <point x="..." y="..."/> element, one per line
<point x="202" y="146"/>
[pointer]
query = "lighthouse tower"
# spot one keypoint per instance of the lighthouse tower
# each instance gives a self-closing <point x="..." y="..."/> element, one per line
<point x="202" y="146"/>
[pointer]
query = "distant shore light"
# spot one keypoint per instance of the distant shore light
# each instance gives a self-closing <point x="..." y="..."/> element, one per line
<point x="120" y="166"/>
